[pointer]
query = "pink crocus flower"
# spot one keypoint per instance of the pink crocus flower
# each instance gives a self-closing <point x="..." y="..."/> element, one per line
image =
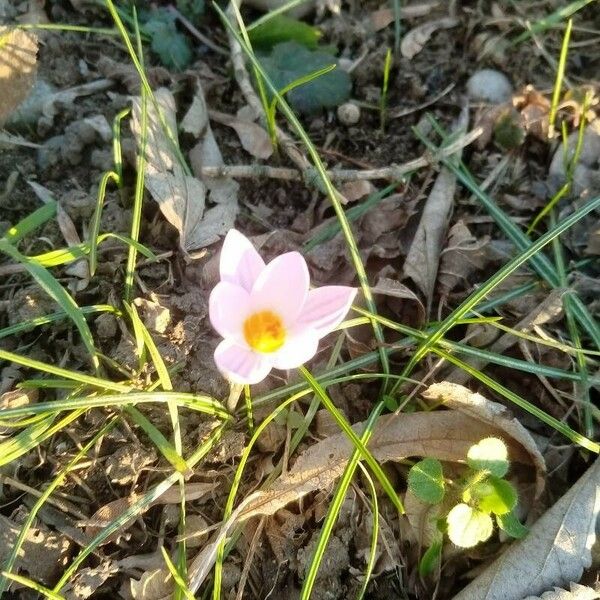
<point x="266" y="313"/>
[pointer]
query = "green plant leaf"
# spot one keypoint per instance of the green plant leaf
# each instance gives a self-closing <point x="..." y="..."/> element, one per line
<point x="192" y="9"/>
<point x="509" y="523"/>
<point x="500" y="496"/>
<point x="490" y="455"/>
<point x="426" y="480"/>
<point x="430" y="558"/>
<point x="171" y="46"/>
<point x="283" y="29"/>
<point x="290" y="61"/>
<point x="468" y="526"/>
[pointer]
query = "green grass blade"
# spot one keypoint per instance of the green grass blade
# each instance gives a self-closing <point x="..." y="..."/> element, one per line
<point x="336" y="504"/>
<point x="51" y="286"/>
<point x="492" y="282"/>
<point x="374" y="536"/>
<point x="33" y="585"/>
<point x="365" y="454"/>
<point x="55" y="483"/>
<point x="177" y="578"/>
<point x="559" y="426"/>
<point x="136" y="508"/>
<point x="31" y="437"/>
<point x="564" y="12"/>
<point x="197" y="402"/>
<point x="30" y="324"/>
<point x="31" y="363"/>
<point x="159" y="440"/>
<point x="560" y="73"/>
<point x="31" y="222"/>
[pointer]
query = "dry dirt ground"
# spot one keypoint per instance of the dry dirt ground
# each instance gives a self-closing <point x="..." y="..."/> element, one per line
<point x="70" y="149"/>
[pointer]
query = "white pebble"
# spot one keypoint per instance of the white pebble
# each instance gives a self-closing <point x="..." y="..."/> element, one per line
<point x="348" y="113"/>
<point x="489" y="85"/>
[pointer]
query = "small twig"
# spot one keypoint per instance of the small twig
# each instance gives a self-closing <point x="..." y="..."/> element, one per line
<point x="391" y="173"/>
<point x="190" y="27"/>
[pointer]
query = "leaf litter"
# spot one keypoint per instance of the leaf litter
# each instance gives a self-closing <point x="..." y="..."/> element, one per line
<point x="468" y="249"/>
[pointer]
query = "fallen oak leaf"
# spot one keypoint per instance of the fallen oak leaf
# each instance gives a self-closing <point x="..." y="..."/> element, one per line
<point x="555" y="553"/>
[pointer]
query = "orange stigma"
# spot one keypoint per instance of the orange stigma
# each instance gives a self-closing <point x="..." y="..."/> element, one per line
<point x="264" y="331"/>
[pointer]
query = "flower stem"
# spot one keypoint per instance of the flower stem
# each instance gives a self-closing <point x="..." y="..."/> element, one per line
<point x="235" y="391"/>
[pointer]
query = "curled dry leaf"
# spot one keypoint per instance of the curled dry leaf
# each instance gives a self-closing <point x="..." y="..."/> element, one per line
<point x="86" y="581"/>
<point x="80" y="267"/>
<point x="554" y="553"/>
<point x="414" y="41"/>
<point x="18" y="68"/>
<point x="383" y="17"/>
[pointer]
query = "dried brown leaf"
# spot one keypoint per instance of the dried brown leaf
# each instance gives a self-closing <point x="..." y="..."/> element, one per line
<point x="554" y="553"/>
<point x="422" y="262"/>
<point x="414" y="41"/>
<point x="577" y="592"/>
<point x="80" y="267"/>
<point x="43" y="555"/>
<point x="86" y="581"/>
<point x="253" y="137"/>
<point x="110" y="511"/>
<point x="462" y="256"/>
<point x="18" y="68"/>
<point x="380" y="19"/>
<point x="181" y="198"/>
<point x="154" y="585"/>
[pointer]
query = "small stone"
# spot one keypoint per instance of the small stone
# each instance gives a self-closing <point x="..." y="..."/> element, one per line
<point x="489" y="85"/>
<point x="106" y="326"/>
<point x="348" y="113"/>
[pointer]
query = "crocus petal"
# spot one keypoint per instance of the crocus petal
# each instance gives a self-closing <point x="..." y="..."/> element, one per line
<point x="300" y="347"/>
<point x="228" y="307"/>
<point x="282" y="287"/>
<point x="240" y="262"/>
<point x="326" y="307"/>
<point x="239" y="364"/>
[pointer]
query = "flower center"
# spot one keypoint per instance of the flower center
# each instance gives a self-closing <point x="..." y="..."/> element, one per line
<point x="264" y="331"/>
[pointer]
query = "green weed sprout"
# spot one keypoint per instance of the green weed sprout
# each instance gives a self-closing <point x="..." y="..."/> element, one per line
<point x="467" y="507"/>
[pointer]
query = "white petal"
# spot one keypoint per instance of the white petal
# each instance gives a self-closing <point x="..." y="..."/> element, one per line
<point x="326" y="307"/>
<point x="240" y="263"/>
<point x="239" y="364"/>
<point x="282" y="287"/>
<point x="299" y="348"/>
<point x="228" y="308"/>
